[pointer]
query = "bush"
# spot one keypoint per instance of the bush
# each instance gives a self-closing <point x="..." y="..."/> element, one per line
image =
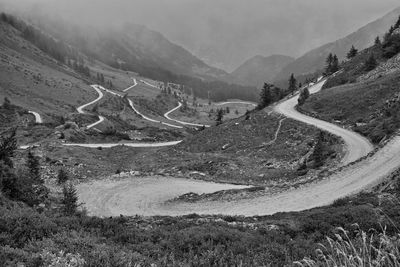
<point x="62" y="176"/>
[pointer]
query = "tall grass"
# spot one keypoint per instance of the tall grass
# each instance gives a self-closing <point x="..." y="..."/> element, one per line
<point x="361" y="251"/>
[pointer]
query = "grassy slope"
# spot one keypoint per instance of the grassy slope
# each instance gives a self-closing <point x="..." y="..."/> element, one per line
<point x="276" y="240"/>
<point x="363" y="103"/>
<point x="238" y="152"/>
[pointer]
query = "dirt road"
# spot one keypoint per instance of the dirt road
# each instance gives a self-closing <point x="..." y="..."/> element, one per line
<point x="357" y="146"/>
<point x="167" y="116"/>
<point x="38" y="118"/>
<point x="126" y="197"/>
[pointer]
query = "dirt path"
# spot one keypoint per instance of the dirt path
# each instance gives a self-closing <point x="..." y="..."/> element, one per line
<point x="81" y="108"/>
<point x="130" y="87"/>
<point x="38" y="118"/>
<point x="276" y="133"/>
<point x="235" y="102"/>
<point x="125" y="197"/>
<point x="356" y="145"/>
<point x="166" y="115"/>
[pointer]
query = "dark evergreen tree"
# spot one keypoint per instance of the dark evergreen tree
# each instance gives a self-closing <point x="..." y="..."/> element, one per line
<point x="304" y="94"/>
<point x="292" y="84"/>
<point x="352" y="53"/>
<point x="318" y="153"/>
<point x="378" y="41"/>
<point x="265" y="96"/>
<point x="371" y="63"/>
<point x="70" y="199"/>
<point x="220" y="116"/>
<point x="227" y="110"/>
<point x="397" y="25"/>
<point x="335" y="64"/>
<point x="329" y="61"/>
<point x="62" y="176"/>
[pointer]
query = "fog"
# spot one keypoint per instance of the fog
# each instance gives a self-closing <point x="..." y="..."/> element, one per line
<point x="224" y="32"/>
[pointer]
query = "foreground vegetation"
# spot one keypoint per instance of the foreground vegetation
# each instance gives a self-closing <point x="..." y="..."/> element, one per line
<point x="45" y="228"/>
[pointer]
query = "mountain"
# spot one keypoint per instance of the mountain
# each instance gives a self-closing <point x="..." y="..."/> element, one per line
<point x="361" y="39"/>
<point x="132" y="46"/>
<point x="259" y="69"/>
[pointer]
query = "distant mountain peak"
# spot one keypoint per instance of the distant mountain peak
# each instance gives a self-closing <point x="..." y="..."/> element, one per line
<point x="259" y="69"/>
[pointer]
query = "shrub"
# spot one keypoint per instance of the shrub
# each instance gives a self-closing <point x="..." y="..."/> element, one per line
<point x="70" y="199"/>
<point x="62" y="176"/>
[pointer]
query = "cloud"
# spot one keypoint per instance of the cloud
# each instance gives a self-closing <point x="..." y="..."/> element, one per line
<point x="227" y="31"/>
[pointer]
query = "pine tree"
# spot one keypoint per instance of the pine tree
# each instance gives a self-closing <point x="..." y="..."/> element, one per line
<point x="33" y="165"/>
<point x="318" y="153"/>
<point x="304" y="94"/>
<point x="397" y="25"/>
<point x="329" y="61"/>
<point x="292" y="84"/>
<point x="378" y="41"/>
<point x="352" y="53"/>
<point x="335" y="64"/>
<point x="62" y="176"/>
<point x="371" y="63"/>
<point x="227" y="110"/>
<point x="265" y="96"/>
<point x="70" y="199"/>
<point x="220" y="116"/>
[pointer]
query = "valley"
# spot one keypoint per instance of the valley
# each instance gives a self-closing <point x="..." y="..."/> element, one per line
<point x="120" y="148"/>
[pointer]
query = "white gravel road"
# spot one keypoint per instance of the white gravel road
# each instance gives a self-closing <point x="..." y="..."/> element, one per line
<point x="38" y="118"/>
<point x="127" y="197"/>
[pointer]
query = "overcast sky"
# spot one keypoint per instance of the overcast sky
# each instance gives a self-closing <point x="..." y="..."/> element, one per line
<point x="227" y="32"/>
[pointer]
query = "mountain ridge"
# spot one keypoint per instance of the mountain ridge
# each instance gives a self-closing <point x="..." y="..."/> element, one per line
<point x="259" y="69"/>
<point x="314" y="60"/>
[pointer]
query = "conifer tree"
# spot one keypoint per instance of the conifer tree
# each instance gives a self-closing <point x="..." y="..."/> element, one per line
<point x="220" y="116"/>
<point x="70" y="199"/>
<point x="378" y="41"/>
<point x="62" y="176"/>
<point x="352" y="53"/>
<point x="329" y="61"/>
<point x="265" y="96"/>
<point x="335" y="64"/>
<point x="292" y="84"/>
<point x="317" y="155"/>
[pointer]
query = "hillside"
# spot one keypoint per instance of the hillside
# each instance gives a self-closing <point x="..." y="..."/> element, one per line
<point x="364" y="95"/>
<point x="135" y="48"/>
<point x="259" y="69"/>
<point x="361" y="39"/>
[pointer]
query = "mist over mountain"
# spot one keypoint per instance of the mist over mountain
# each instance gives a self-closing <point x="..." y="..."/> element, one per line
<point x="259" y="69"/>
<point x="224" y="33"/>
<point x="362" y="38"/>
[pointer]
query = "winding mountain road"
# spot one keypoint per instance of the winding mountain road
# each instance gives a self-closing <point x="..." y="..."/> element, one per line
<point x="149" y="84"/>
<point x="38" y="118"/>
<point x="130" y="87"/>
<point x="356" y="145"/>
<point x="166" y="115"/>
<point x="81" y="108"/>
<point x="235" y="102"/>
<point x="120" y="195"/>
